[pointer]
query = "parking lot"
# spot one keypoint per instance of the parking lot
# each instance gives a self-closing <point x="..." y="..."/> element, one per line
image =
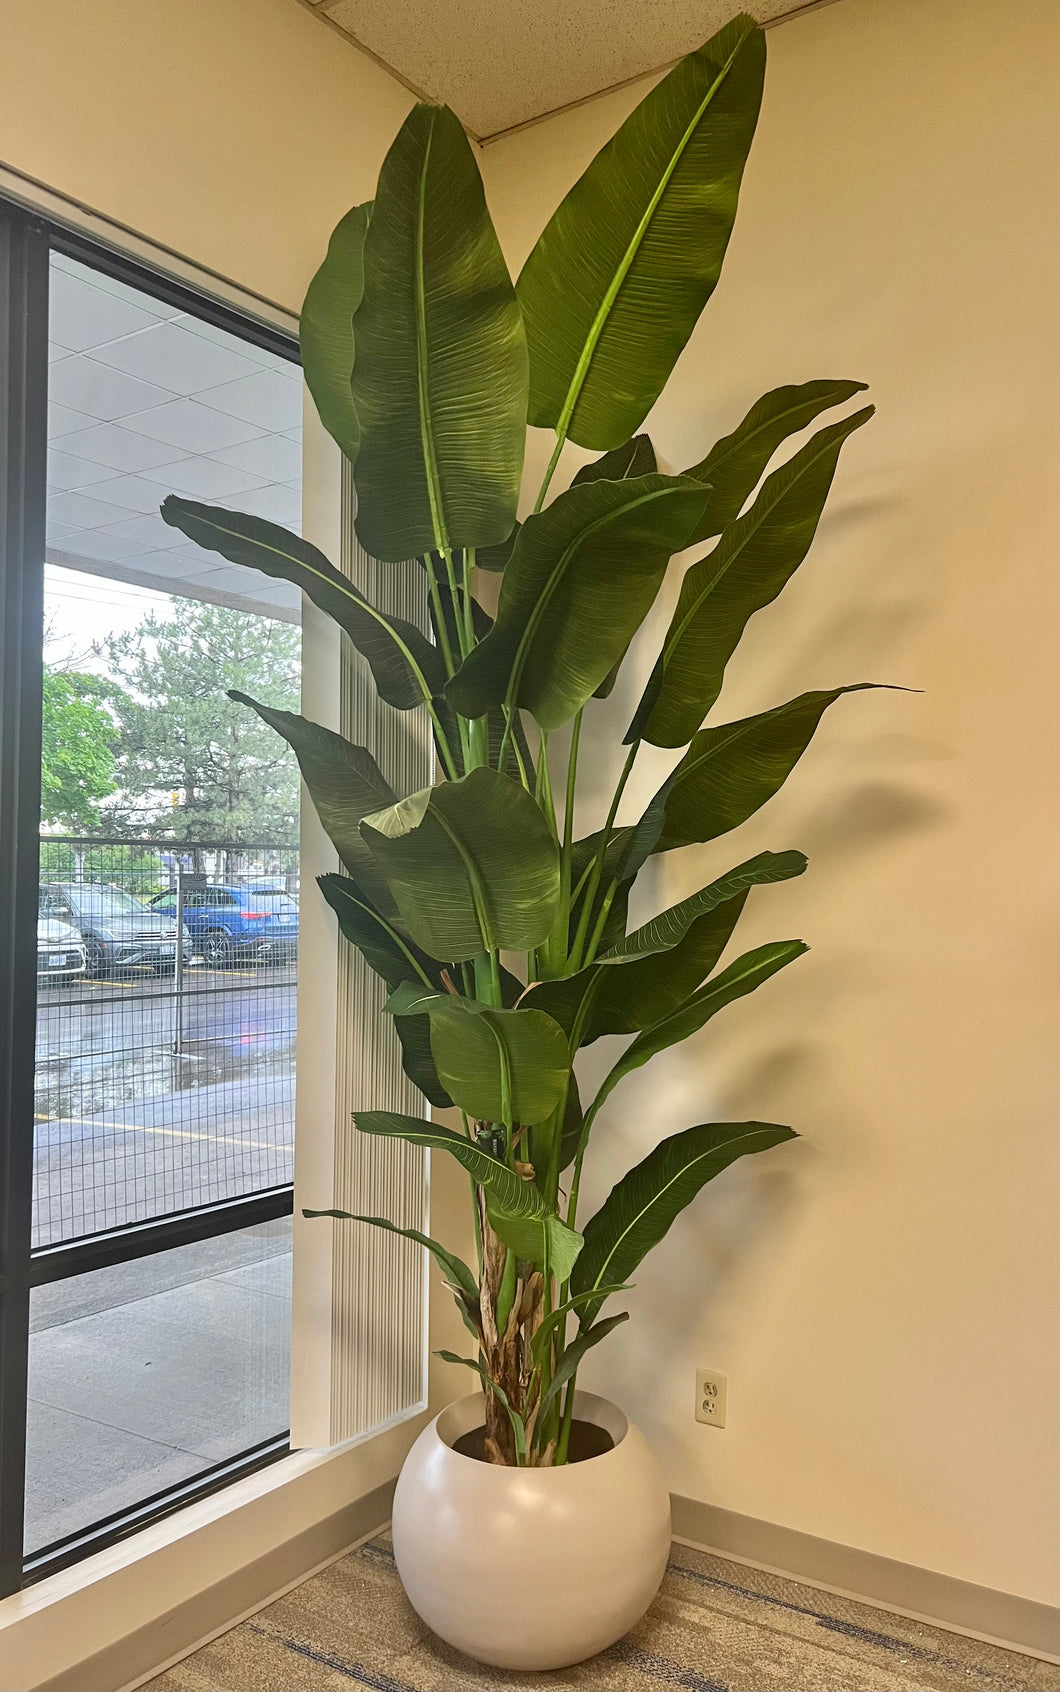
<point x="149" y="1100"/>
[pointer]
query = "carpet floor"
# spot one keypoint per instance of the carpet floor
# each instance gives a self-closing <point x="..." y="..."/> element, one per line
<point x="715" y="1627"/>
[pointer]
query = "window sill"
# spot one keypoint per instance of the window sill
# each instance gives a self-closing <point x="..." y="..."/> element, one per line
<point x="122" y="1616"/>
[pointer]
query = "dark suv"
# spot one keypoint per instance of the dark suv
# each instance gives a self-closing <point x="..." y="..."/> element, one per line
<point x="119" y="931"/>
<point x="232" y="923"/>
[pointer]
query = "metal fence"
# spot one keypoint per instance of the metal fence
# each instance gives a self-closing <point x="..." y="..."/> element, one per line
<point x="165" y="1028"/>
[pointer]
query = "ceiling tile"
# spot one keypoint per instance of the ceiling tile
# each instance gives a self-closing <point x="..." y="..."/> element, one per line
<point x="86" y="385"/>
<point x="139" y="297"/>
<point x="274" y="457"/>
<point x="176" y="360"/>
<point x="81" y="316"/>
<point x="118" y="448"/>
<point x="501" y="62"/>
<point x="205" y="478"/>
<point x="267" y="399"/>
<point x="135" y="493"/>
<point x="149" y="533"/>
<point x="83" y="511"/>
<point x="280" y="504"/>
<point x="100" y="545"/>
<point x="66" y="473"/>
<point x="63" y="421"/>
<point x="245" y="582"/>
<point x="193" y="427"/>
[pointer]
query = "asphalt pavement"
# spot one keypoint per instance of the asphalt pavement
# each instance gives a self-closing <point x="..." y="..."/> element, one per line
<point x="148" y="1101"/>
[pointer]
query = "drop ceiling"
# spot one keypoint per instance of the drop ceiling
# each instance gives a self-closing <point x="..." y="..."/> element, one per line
<point x="500" y="63"/>
<point x="146" y="400"/>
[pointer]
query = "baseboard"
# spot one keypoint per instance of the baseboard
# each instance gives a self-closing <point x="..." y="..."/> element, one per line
<point x="155" y="1648"/>
<point x="998" y="1618"/>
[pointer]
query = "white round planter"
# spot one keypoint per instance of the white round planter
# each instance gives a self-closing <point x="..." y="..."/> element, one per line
<point x="530" y="1568"/>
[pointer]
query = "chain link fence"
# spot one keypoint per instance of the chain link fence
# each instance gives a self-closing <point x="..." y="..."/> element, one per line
<point x="165" y="1069"/>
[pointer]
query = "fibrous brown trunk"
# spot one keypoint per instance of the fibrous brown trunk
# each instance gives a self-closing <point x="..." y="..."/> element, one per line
<point x="500" y="1351"/>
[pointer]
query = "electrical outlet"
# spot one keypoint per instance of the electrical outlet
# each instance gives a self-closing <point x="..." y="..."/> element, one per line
<point x="710" y="1397"/>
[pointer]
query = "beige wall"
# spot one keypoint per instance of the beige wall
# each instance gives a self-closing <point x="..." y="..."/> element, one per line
<point x="236" y="132"/>
<point x="883" y="1296"/>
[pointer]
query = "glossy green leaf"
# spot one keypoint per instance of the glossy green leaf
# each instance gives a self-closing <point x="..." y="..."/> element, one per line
<point x="396" y="959"/>
<point x="472" y="865"/>
<point x="581" y="579"/>
<point x="635" y="457"/>
<point x="639" y="1211"/>
<point x="345" y="784"/>
<point x="669" y="928"/>
<point x="542" y="1339"/>
<point x="439" y="382"/>
<point x="654" y="970"/>
<point x="517" y="1211"/>
<point x="755" y="558"/>
<point x="572" y="1356"/>
<point x="325" y="329"/>
<point x="483" y="1054"/>
<point x="732" y="467"/>
<point x="741" y="978"/>
<point x="729" y="772"/>
<point x="458" y="1277"/>
<point x="621" y="272"/>
<point x="407" y="669"/>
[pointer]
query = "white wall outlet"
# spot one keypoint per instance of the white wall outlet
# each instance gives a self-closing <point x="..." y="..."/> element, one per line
<point x="711" y="1393"/>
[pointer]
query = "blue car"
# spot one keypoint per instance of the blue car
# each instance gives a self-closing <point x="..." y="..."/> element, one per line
<point x="237" y="924"/>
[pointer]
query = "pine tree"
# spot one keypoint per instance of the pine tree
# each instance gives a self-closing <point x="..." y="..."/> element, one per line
<point x="191" y="764"/>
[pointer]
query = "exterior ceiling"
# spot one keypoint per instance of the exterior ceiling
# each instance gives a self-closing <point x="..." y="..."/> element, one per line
<point x="500" y="63"/>
<point x="144" y="401"/>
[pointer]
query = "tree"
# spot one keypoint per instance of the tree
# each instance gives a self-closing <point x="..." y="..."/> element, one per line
<point x="191" y="765"/>
<point x="79" y="739"/>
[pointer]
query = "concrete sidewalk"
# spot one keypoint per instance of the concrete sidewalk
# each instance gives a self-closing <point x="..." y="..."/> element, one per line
<point x="145" y="1374"/>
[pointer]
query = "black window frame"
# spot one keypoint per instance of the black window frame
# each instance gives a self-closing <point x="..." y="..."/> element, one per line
<point x="27" y="241"/>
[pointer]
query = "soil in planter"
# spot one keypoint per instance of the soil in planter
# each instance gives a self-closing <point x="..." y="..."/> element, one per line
<point x="586" y="1440"/>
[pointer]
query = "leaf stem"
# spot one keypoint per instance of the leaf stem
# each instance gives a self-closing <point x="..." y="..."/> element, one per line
<point x="561" y="441"/>
<point x="598" y="865"/>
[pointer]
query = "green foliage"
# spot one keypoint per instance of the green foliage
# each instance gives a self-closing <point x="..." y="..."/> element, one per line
<point x="426" y="366"/>
<point x="79" y="741"/>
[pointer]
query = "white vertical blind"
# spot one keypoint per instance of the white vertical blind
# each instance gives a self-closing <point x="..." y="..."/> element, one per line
<point x="360" y="1294"/>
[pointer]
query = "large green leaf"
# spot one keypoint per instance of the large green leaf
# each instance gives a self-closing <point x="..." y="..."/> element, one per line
<point x="472" y="864"/>
<point x="638" y="1211"/>
<point x="756" y="556"/>
<point x="517" y="1209"/>
<point x="406" y="667"/>
<point x="345" y="784"/>
<point x="580" y="580"/>
<point x="458" y="1277"/>
<point x="484" y="1054"/>
<point x="669" y="928"/>
<point x="396" y="959"/>
<point x="325" y="329"/>
<point x="635" y="457"/>
<point x="620" y="274"/>
<point x="439" y="382"/>
<point x="732" y="467"/>
<point x="729" y="772"/>
<point x="741" y="978"/>
<point x="654" y="970"/>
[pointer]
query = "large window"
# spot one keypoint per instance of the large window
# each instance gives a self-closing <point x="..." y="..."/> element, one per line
<point x="149" y="899"/>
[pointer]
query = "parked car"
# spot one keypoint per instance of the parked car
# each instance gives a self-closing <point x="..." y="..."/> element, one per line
<point x="60" y="951"/>
<point x="119" y="931"/>
<point x="230" y="924"/>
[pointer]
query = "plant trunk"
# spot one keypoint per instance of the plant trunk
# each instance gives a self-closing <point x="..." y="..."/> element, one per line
<point x="500" y="1350"/>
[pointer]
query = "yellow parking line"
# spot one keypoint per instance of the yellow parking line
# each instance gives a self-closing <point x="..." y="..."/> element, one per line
<point x="172" y="1133"/>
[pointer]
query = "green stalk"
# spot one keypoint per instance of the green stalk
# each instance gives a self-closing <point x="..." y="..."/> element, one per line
<point x="598" y="863"/>
<point x="436" y="601"/>
<point x="460" y="606"/>
<point x="561" y="441"/>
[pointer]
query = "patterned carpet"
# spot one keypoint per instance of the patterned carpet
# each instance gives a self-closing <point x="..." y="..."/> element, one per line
<point x="715" y="1627"/>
